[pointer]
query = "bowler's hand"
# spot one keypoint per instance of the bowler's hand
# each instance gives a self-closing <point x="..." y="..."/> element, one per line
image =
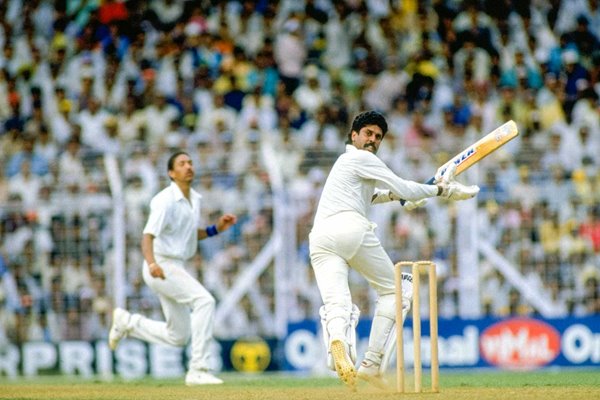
<point x="156" y="271"/>
<point x="225" y="222"/>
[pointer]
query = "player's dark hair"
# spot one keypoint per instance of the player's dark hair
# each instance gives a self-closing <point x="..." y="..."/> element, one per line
<point x="368" y="118"/>
<point x="171" y="162"/>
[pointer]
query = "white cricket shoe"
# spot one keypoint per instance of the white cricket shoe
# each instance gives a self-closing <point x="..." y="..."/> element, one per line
<point x="369" y="371"/>
<point x="195" y="378"/>
<point x="343" y="365"/>
<point x="119" y="328"/>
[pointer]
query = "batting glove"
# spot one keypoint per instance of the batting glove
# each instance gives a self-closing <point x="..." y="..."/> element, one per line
<point x="458" y="191"/>
<point x="411" y="205"/>
<point x="453" y="190"/>
<point x="437" y="178"/>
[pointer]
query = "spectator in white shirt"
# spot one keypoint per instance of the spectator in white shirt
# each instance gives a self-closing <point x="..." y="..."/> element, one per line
<point x="26" y="185"/>
<point x="92" y="122"/>
<point x="158" y="116"/>
<point x="290" y="53"/>
<point x="311" y="95"/>
<point x="130" y="121"/>
<point x="70" y="166"/>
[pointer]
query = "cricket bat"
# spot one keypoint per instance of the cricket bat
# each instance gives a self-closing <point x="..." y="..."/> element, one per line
<point x="479" y="150"/>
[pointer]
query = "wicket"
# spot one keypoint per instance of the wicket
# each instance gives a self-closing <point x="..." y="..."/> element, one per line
<point x="416" y="269"/>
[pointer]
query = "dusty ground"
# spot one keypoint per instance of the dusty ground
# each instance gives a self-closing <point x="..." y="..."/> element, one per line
<point x="102" y="392"/>
<point x="465" y="386"/>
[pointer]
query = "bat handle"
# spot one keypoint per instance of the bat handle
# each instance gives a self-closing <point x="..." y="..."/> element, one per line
<point x="429" y="182"/>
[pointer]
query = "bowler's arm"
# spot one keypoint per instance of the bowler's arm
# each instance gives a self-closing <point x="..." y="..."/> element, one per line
<point x="225" y="222"/>
<point x="156" y="270"/>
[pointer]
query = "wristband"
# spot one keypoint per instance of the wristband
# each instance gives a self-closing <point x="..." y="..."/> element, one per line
<point x="211" y="230"/>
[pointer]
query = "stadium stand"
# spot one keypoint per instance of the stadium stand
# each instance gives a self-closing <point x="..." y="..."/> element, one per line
<point x="84" y="80"/>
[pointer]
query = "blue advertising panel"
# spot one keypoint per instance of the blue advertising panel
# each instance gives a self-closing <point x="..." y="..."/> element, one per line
<point x="509" y="343"/>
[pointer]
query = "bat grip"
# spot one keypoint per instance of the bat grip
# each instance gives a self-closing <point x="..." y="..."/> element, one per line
<point x="429" y="182"/>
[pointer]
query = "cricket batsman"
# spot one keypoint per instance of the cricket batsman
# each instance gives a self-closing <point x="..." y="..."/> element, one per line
<point x="342" y="238"/>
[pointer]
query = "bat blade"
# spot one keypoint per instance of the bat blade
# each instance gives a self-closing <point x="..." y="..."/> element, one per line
<point x="480" y="149"/>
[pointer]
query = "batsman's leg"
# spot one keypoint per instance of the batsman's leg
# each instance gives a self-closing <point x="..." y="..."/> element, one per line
<point x="375" y="265"/>
<point x="331" y="273"/>
<point x="350" y="334"/>
<point x="390" y="346"/>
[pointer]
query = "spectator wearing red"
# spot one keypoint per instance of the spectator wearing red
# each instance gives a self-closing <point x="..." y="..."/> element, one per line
<point x="590" y="228"/>
<point x="112" y="10"/>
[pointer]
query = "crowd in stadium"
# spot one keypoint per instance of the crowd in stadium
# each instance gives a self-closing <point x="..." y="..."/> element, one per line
<point x="83" y="79"/>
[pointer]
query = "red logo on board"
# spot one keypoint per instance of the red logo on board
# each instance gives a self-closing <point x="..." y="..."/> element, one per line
<point x="520" y="343"/>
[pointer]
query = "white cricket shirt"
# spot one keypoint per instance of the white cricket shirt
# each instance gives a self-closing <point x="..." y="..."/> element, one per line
<point x="352" y="182"/>
<point x="174" y="223"/>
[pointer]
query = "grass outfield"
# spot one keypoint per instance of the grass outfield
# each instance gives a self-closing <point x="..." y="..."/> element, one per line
<point x="546" y="385"/>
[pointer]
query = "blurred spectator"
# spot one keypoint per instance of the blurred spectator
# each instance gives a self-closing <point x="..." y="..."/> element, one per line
<point x="130" y="122"/>
<point x="311" y="95"/>
<point x="92" y="121"/>
<point x="549" y="99"/>
<point x="591" y="296"/>
<point x="491" y="189"/>
<point x="471" y="60"/>
<point x="38" y="165"/>
<point x="522" y="72"/>
<point x="508" y="173"/>
<point x="524" y="191"/>
<point x="577" y="78"/>
<point x="290" y="54"/>
<point x="321" y="132"/>
<point x="387" y="86"/>
<point x="45" y="146"/>
<point x="584" y="113"/>
<point x="164" y="14"/>
<point x="586" y="41"/>
<point x="58" y="112"/>
<point x="26" y="185"/>
<point x="158" y="115"/>
<point x="4" y="186"/>
<point x="558" y="152"/>
<point x="70" y="165"/>
<point x="557" y="191"/>
<point x="590" y="227"/>
<point x="112" y="10"/>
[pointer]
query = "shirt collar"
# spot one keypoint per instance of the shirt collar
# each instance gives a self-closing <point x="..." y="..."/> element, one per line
<point x="350" y="147"/>
<point x="176" y="191"/>
<point x="179" y="194"/>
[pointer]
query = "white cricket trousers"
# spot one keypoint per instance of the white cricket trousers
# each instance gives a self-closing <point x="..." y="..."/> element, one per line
<point x="188" y="309"/>
<point x="348" y="240"/>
